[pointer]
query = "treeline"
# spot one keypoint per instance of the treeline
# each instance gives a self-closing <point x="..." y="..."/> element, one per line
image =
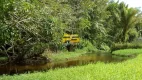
<point x="28" y="27"/>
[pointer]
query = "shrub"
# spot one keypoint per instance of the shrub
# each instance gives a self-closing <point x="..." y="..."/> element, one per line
<point x="118" y="46"/>
<point x="87" y="45"/>
<point x="36" y="49"/>
<point x="105" y="47"/>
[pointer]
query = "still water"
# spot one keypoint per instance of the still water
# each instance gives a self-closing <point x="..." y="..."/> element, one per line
<point x="77" y="61"/>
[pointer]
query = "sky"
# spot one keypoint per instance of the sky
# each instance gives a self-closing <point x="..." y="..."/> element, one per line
<point x="132" y="3"/>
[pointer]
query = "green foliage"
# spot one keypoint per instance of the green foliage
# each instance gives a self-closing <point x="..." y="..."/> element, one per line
<point x="29" y="27"/>
<point x="96" y="15"/>
<point x="87" y="45"/>
<point x="125" y="46"/>
<point x="25" y="25"/>
<point x="105" y="47"/>
<point x="132" y="35"/>
<point x="36" y="49"/>
<point x="123" y="20"/>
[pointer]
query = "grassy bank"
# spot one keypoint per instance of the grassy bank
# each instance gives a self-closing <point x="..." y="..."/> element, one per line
<point x="61" y="56"/>
<point x="127" y="51"/>
<point x="128" y="70"/>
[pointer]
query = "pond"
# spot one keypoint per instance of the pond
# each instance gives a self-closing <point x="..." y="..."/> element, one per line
<point x="77" y="61"/>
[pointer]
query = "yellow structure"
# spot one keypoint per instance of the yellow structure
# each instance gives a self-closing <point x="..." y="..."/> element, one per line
<point x="73" y="38"/>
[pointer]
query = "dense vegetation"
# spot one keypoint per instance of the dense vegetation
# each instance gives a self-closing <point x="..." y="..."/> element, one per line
<point x="28" y="27"/>
<point x="127" y="70"/>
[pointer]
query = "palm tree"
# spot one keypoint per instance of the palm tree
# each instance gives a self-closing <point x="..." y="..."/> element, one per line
<point x="128" y="19"/>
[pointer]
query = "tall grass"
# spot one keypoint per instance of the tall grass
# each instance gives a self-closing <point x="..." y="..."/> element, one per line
<point x="61" y="56"/>
<point x="128" y="70"/>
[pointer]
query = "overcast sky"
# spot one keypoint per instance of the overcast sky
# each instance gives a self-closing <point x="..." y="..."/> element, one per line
<point x="132" y="3"/>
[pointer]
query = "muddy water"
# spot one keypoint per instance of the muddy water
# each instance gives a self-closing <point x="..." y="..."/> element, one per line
<point x="81" y="60"/>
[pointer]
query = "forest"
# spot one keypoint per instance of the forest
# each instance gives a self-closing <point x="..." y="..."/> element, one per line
<point x="29" y="27"/>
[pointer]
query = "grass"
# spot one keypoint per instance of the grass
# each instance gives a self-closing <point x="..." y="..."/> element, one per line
<point x="127" y="51"/>
<point x="127" y="70"/>
<point x="61" y="56"/>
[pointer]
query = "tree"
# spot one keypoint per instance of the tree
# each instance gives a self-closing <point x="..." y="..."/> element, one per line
<point x="128" y="20"/>
<point x="124" y="20"/>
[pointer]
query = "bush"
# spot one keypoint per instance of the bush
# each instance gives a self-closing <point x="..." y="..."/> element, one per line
<point x="118" y="46"/>
<point x="105" y="47"/>
<point x="36" y="49"/>
<point x="87" y="45"/>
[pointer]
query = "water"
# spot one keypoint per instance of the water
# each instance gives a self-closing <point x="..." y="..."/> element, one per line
<point x="81" y="60"/>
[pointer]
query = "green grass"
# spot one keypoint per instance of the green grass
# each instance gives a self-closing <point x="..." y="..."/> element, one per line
<point x="61" y="56"/>
<point x="127" y="51"/>
<point x="127" y="70"/>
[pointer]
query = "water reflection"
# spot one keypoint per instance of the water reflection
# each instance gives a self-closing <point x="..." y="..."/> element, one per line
<point x="81" y="60"/>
